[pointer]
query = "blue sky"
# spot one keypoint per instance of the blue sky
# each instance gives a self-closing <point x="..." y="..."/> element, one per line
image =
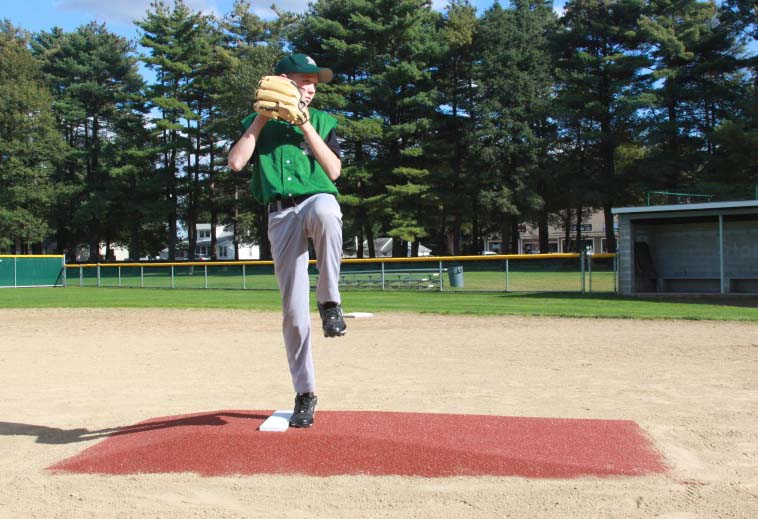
<point x="38" y="15"/>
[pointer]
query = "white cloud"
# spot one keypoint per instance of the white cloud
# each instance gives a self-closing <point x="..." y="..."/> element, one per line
<point x="118" y="11"/>
<point x="295" y="6"/>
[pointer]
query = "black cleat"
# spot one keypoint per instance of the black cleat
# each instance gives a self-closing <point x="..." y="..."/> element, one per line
<point x="305" y="407"/>
<point x="332" y="320"/>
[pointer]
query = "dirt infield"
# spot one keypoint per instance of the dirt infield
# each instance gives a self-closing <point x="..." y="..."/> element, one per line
<point x="71" y="376"/>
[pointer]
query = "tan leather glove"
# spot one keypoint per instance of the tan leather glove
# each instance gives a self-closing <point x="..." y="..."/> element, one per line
<point x="279" y="98"/>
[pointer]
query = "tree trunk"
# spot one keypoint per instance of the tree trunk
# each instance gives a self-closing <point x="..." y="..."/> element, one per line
<point x="94" y="250"/>
<point x="543" y="232"/>
<point x="171" y="195"/>
<point x="577" y="242"/>
<point x="134" y="242"/>
<point x="191" y="236"/>
<point x="397" y="248"/>
<point x="505" y="234"/>
<point x="94" y="241"/>
<point x="567" y="231"/>
<point x="212" y="208"/>
<point x="457" y="233"/>
<point x="477" y="242"/>
<point x="370" y="241"/>
<point x="235" y="225"/>
<point x="192" y="202"/>
<point x="514" y="235"/>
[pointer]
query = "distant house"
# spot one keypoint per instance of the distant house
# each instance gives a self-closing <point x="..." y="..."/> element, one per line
<point x="592" y="232"/>
<point x="382" y="247"/>
<point x="117" y="253"/>
<point x="224" y="245"/>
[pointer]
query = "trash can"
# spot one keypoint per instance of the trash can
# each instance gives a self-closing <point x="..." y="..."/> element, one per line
<point x="456" y="276"/>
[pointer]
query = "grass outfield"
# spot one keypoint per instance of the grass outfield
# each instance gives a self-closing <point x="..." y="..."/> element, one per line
<point x="472" y="303"/>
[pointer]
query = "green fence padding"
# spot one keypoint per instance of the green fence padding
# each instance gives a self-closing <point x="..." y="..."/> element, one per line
<point x="31" y="271"/>
<point x="7" y="278"/>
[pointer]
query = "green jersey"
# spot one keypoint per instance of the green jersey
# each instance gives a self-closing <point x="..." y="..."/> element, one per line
<point x="284" y="164"/>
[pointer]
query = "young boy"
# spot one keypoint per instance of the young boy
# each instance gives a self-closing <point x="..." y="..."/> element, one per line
<point x="296" y="167"/>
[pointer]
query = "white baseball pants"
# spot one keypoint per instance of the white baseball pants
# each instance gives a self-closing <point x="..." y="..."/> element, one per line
<point x="318" y="217"/>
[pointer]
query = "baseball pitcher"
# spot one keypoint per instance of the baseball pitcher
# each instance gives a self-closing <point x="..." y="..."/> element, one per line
<point x="297" y="159"/>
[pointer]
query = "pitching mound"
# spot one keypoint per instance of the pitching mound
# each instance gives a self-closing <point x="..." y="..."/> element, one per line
<point x="374" y="443"/>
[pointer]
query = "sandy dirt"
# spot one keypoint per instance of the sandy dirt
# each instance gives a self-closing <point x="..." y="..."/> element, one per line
<point x="66" y="373"/>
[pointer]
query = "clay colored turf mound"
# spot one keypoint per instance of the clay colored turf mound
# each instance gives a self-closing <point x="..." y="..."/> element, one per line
<point x="374" y="443"/>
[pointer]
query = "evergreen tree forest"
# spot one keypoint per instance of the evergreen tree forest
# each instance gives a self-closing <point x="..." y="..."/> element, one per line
<point x="455" y="126"/>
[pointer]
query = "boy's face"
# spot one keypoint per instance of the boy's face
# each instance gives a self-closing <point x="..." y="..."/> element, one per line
<point x="306" y="83"/>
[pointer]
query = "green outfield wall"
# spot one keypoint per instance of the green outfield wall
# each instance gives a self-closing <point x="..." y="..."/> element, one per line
<point x="32" y="271"/>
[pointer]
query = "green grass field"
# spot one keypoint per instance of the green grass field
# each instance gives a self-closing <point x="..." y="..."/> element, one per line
<point x="470" y="303"/>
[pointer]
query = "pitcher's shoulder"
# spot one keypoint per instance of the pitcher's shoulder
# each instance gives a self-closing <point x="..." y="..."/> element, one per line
<point x="323" y="117"/>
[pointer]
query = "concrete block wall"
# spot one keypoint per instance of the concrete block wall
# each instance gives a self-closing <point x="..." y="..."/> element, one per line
<point x="625" y="258"/>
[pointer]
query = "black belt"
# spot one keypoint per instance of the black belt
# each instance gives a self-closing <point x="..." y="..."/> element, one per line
<point x="286" y="203"/>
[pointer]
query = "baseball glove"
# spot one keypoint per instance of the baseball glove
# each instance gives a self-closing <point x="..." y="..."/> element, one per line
<point x="279" y="98"/>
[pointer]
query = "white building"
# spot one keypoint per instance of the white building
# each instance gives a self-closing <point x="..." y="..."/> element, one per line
<point x="382" y="247"/>
<point x="593" y="238"/>
<point x="224" y="245"/>
<point x="118" y="253"/>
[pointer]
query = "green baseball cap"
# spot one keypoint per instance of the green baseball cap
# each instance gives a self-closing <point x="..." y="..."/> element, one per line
<point x="303" y="64"/>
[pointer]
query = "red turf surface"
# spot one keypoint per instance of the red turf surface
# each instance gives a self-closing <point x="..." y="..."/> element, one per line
<point x="375" y="443"/>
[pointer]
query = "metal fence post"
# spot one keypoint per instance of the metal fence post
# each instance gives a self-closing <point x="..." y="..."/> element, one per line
<point x="172" y="276"/>
<point x="81" y="277"/>
<point x="98" y="274"/>
<point x="589" y="269"/>
<point x="205" y="267"/>
<point x="507" y="274"/>
<point x="441" y="277"/>
<point x="15" y="274"/>
<point x="581" y="261"/>
<point x="63" y="261"/>
<point x="382" y="275"/>
<point x="141" y="276"/>
<point x="244" y="280"/>
<point x="119" y="276"/>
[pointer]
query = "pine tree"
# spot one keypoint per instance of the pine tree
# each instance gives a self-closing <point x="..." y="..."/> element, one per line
<point x="736" y="138"/>
<point x="385" y="51"/>
<point x="94" y="77"/>
<point x="602" y="88"/>
<point x="208" y="60"/>
<point x="448" y="148"/>
<point x="334" y="33"/>
<point x="138" y="206"/>
<point x="695" y="62"/>
<point x="254" y="46"/>
<point x="29" y="147"/>
<point x="167" y="34"/>
<point x="512" y="115"/>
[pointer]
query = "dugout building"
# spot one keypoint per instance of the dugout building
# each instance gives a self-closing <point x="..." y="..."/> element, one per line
<point x="697" y="248"/>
